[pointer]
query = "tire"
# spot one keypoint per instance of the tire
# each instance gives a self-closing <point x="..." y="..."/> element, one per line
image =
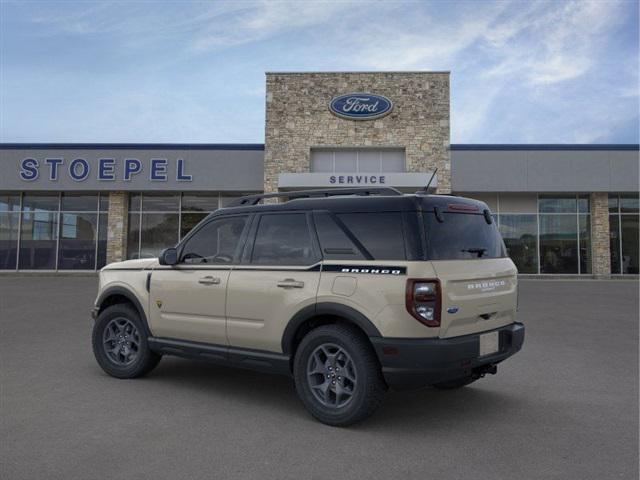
<point x="120" y="343"/>
<point x="358" y="388"/>
<point x="453" y="384"/>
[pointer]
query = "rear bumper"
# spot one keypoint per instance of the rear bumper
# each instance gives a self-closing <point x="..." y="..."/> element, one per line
<point x="412" y="363"/>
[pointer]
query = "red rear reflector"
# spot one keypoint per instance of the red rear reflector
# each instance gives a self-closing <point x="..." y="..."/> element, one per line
<point x="389" y="350"/>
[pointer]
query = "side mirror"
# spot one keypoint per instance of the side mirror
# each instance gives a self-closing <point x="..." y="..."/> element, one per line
<point x="169" y="256"/>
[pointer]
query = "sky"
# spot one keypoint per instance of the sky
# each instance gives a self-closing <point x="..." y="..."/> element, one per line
<point x="179" y="71"/>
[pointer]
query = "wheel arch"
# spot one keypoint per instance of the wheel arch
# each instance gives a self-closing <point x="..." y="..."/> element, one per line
<point x="321" y="314"/>
<point x="118" y="295"/>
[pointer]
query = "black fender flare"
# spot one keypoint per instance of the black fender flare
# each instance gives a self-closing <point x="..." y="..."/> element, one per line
<point x="124" y="292"/>
<point x="349" y="314"/>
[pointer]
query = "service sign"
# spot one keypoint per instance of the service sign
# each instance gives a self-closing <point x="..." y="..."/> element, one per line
<point x="413" y="180"/>
<point x="360" y="106"/>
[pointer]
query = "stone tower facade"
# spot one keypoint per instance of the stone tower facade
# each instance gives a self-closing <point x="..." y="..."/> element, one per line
<point x="298" y="119"/>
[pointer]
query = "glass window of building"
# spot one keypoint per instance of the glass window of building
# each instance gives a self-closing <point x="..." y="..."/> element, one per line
<point x="557" y="204"/>
<point x="39" y="231"/>
<point x="520" y="235"/>
<point x="623" y="233"/>
<point x="159" y="220"/>
<point x="9" y="229"/>
<point x="564" y="234"/>
<point x="358" y="160"/>
<point x="80" y="225"/>
<point x="53" y="231"/>
<point x="558" y="244"/>
<point x="546" y="233"/>
<point x="518" y="224"/>
<point x="195" y="207"/>
<point x="584" y="239"/>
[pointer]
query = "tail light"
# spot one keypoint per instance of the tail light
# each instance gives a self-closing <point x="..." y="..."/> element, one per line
<point x="423" y="301"/>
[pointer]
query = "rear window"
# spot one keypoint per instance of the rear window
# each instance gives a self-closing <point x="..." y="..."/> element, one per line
<point x="462" y="236"/>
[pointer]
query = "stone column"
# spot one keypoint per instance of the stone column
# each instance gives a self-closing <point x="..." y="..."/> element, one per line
<point x="117" y="226"/>
<point x="600" y="251"/>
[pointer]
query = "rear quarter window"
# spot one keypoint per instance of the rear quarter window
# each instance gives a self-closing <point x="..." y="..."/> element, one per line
<point x="380" y="233"/>
<point x="462" y="236"/>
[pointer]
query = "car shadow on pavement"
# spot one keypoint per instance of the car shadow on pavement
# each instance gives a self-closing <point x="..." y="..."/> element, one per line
<point x="409" y="410"/>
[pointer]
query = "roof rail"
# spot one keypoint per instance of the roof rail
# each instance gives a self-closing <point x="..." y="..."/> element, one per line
<point x="364" y="191"/>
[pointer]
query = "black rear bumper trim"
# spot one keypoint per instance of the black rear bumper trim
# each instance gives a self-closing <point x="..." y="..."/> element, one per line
<point x="412" y="363"/>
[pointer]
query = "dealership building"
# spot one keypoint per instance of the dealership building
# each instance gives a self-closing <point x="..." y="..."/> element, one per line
<point x="562" y="209"/>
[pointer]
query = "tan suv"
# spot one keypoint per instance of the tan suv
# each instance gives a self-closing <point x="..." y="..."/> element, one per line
<point x="349" y="291"/>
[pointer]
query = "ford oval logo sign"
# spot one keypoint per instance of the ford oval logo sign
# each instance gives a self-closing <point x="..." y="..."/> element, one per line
<point x="360" y="106"/>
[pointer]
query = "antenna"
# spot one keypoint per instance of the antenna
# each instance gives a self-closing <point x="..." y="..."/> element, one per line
<point x="426" y="188"/>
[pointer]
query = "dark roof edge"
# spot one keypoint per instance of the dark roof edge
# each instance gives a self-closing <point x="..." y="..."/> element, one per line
<point x="260" y="146"/>
<point x="132" y="146"/>
<point x="545" y="146"/>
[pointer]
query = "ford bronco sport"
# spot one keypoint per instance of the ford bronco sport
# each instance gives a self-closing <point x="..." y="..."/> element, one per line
<point x="349" y="291"/>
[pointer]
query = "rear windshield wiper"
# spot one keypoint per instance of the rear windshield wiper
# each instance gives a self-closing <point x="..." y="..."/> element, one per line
<point x="479" y="251"/>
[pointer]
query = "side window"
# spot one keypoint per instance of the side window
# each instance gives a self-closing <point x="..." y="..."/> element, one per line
<point x="334" y="242"/>
<point x="380" y="233"/>
<point x="283" y="239"/>
<point x="215" y="243"/>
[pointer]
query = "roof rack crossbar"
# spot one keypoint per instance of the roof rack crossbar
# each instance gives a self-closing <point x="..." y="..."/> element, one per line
<point x="249" y="200"/>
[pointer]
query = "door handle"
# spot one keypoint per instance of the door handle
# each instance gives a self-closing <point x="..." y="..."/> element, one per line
<point x="290" y="283"/>
<point x="209" y="280"/>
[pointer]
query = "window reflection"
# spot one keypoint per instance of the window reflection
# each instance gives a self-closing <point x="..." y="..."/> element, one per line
<point x="557" y="204"/>
<point x="584" y="223"/>
<point x="520" y="234"/>
<point x="158" y="220"/>
<point x="78" y="234"/>
<point x="9" y="222"/>
<point x="38" y="238"/>
<point x="614" y="242"/>
<point x="558" y="244"/>
<point x="159" y="231"/>
<point x="623" y="233"/>
<point x="630" y="245"/>
<point x="9" y="202"/>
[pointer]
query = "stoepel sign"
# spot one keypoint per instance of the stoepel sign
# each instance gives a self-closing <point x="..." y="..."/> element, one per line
<point x="106" y="169"/>
<point x="360" y="106"/>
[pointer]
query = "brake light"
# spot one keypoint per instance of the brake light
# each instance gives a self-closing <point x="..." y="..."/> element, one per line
<point x="462" y="207"/>
<point x="423" y="301"/>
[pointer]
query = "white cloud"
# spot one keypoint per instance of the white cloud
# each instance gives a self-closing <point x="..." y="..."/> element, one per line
<point x="510" y="61"/>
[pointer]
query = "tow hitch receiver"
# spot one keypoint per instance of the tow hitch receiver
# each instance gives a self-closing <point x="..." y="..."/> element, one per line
<point x="484" y="370"/>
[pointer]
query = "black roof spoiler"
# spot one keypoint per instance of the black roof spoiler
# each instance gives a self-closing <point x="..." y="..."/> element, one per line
<point x="330" y="192"/>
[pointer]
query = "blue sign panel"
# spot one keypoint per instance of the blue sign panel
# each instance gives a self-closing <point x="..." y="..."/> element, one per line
<point x="360" y="106"/>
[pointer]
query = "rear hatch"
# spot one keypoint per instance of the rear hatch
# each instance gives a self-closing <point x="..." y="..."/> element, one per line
<point x="478" y="281"/>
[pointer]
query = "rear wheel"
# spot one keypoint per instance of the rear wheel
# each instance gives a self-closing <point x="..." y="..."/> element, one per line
<point x="453" y="384"/>
<point x="120" y="343"/>
<point x="337" y="375"/>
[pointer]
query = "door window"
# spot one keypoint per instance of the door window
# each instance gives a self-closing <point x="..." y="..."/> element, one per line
<point x="283" y="239"/>
<point x="217" y="242"/>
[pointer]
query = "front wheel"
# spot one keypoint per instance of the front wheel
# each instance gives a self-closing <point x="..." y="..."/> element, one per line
<point x="120" y="343"/>
<point x="337" y="375"/>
